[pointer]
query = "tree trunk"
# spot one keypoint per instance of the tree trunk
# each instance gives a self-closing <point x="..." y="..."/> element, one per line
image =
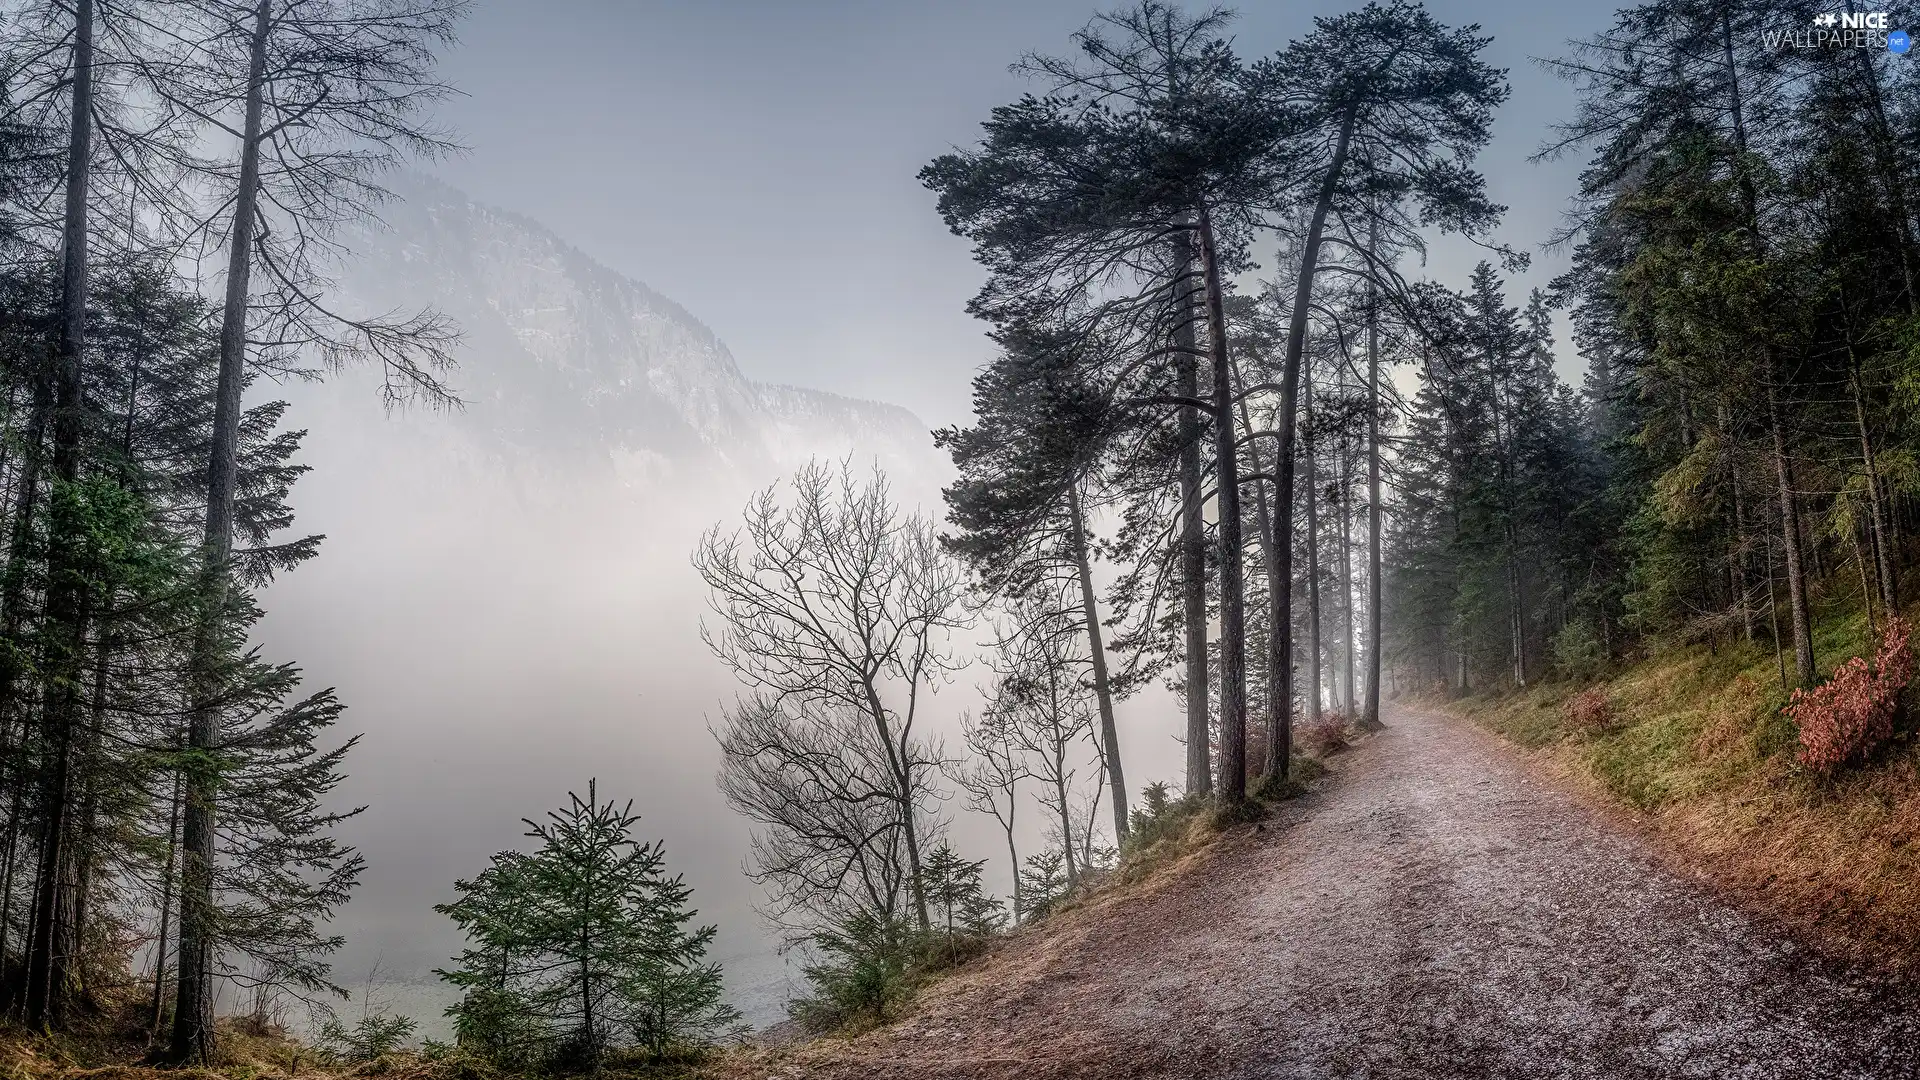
<point x="1866" y="584"/>
<point x="1066" y="815"/>
<point x="1086" y="831"/>
<point x="1013" y="858"/>
<point x="586" y="999"/>
<point x="1516" y="596"/>
<point x="9" y="858"/>
<point x="1192" y="543"/>
<point x="47" y="941"/>
<point x="48" y="948"/>
<point x="1886" y="571"/>
<point x="1097" y="650"/>
<point x="26" y="497"/>
<point x="193" y="1034"/>
<point x="1370" y="714"/>
<point x="1790" y="535"/>
<point x="902" y="768"/>
<point x="166" y="913"/>
<point x="1816" y="558"/>
<point x="1742" y="587"/>
<point x="1279" y="712"/>
<point x="1290" y="380"/>
<point x="1346" y="583"/>
<point x="1193" y="533"/>
<point x="1517" y="604"/>
<point x="14" y="736"/>
<point x="86" y="852"/>
<point x="1773" y="616"/>
<point x="1313" y="557"/>
<point x="1233" y="638"/>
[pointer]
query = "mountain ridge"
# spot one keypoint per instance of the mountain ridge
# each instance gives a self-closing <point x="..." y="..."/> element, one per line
<point x="563" y="353"/>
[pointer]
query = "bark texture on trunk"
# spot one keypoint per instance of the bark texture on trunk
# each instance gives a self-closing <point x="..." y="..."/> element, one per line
<point x="1790" y="535"/>
<point x="1370" y="712"/>
<point x="1313" y="558"/>
<point x="1279" y="730"/>
<point x="1285" y="424"/>
<point x="1233" y="674"/>
<point x="51" y="941"/>
<point x="1193" y="531"/>
<point x="192" y="1038"/>
<point x="1097" y="650"/>
<point x="1346" y="584"/>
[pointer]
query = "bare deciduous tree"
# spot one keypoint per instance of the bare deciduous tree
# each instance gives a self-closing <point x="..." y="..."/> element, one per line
<point x="819" y="785"/>
<point x="834" y="599"/>
<point x="990" y="780"/>
<point x="1047" y="711"/>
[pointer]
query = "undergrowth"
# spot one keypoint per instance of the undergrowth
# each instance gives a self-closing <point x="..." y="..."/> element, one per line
<point x="1703" y="742"/>
<point x="870" y="974"/>
<point x="869" y="971"/>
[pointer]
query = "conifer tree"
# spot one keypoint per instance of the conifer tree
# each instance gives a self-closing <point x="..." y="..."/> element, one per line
<point x="1399" y="106"/>
<point x="581" y="945"/>
<point x="1169" y="148"/>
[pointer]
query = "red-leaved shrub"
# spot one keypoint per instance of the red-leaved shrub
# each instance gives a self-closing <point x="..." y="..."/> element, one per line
<point x="1329" y="736"/>
<point x="1590" y="710"/>
<point x="1852" y="713"/>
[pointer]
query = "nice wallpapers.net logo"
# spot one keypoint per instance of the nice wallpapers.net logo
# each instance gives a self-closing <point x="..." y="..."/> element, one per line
<point x="1843" y="30"/>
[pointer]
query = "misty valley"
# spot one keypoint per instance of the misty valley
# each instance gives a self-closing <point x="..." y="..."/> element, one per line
<point x="992" y="540"/>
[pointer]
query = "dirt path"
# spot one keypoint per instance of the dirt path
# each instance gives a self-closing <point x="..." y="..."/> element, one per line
<point x="1436" y="912"/>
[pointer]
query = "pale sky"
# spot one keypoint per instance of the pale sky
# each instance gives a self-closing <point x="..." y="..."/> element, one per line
<point x="756" y="160"/>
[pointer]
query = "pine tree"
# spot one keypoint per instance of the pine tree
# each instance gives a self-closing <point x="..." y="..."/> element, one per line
<point x="581" y="944"/>
<point x="1018" y="506"/>
<point x="1401" y="104"/>
<point x="1179" y="146"/>
<point x="953" y="885"/>
<point x="677" y="1001"/>
<point x="1043" y="882"/>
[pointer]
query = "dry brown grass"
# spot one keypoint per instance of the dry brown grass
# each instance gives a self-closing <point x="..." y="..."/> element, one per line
<point x="111" y="1050"/>
<point x="1032" y="956"/>
<point x="243" y="1056"/>
<point x="1700" y="755"/>
<point x="111" y="1055"/>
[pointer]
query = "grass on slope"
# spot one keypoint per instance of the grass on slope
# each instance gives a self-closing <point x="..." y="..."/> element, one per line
<point x="1698" y="743"/>
<point x="116" y="1054"/>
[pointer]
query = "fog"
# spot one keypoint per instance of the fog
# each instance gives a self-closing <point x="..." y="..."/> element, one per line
<point x="502" y="638"/>
<point x="502" y="634"/>
<point x="504" y="599"/>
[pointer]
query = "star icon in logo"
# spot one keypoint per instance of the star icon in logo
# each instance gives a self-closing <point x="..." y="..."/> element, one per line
<point x="1826" y="19"/>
